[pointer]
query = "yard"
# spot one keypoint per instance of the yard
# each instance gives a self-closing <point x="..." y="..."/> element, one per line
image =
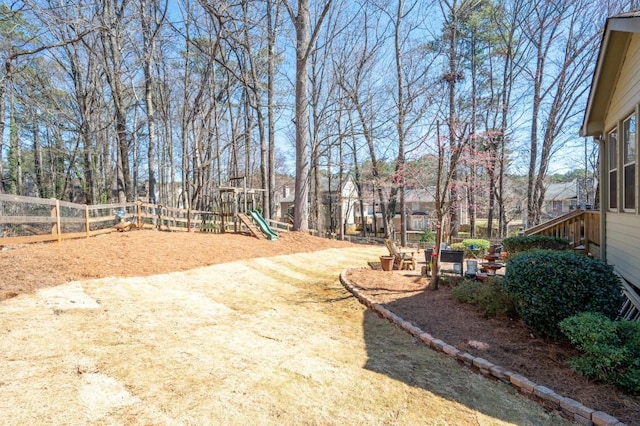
<point x="148" y="327"/>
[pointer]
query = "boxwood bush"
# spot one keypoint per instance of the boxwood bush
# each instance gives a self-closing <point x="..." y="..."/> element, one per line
<point x="519" y="244"/>
<point x="548" y="286"/>
<point x="611" y="349"/>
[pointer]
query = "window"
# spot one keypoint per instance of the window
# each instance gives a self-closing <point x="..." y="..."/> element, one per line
<point x="612" y="142"/>
<point x="629" y="161"/>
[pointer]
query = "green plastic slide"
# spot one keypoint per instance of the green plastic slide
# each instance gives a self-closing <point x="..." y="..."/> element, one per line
<point x="262" y="223"/>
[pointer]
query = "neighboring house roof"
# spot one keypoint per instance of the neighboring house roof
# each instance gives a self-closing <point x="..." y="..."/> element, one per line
<point x="288" y="199"/>
<point x="324" y="186"/>
<point x="419" y="195"/>
<point x="334" y="182"/>
<point x="412" y="195"/>
<point x="613" y="47"/>
<point x="561" y="191"/>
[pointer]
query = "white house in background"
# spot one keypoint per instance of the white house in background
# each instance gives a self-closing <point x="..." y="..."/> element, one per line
<point x="338" y="202"/>
<point x="611" y="118"/>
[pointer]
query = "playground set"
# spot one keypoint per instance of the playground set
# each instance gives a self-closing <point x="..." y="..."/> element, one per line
<point x="238" y="208"/>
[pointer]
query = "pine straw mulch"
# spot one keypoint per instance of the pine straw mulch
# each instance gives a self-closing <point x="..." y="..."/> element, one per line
<point x="502" y="341"/>
<point x="26" y="268"/>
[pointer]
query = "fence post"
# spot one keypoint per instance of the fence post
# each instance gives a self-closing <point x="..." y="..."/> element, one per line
<point x="159" y="213"/>
<point x="189" y="220"/>
<point x="55" y="213"/>
<point x="86" y="221"/>
<point x="139" y="214"/>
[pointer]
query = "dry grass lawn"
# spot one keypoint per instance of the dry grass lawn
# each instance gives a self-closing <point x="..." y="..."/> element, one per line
<point x="270" y="340"/>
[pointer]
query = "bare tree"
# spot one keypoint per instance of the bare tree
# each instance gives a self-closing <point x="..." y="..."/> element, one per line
<point x="412" y="64"/>
<point x="507" y="18"/>
<point x="304" y="41"/>
<point x="563" y="45"/>
<point x="151" y="20"/>
<point x="448" y="162"/>
<point x="113" y="17"/>
<point x="354" y="66"/>
<point x="493" y="52"/>
<point x="454" y="13"/>
<point x="19" y="42"/>
<point x="272" y="15"/>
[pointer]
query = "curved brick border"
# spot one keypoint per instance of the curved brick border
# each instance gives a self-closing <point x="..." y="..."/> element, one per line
<point x="581" y="414"/>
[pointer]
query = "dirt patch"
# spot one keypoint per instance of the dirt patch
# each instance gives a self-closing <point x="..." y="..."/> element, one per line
<point x="502" y="341"/>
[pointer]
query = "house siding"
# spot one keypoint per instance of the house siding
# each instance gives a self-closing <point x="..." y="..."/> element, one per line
<point x="623" y="245"/>
<point x="627" y="92"/>
<point x="622" y="229"/>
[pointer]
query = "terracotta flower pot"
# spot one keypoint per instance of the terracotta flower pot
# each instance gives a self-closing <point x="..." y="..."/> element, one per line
<point x="386" y="262"/>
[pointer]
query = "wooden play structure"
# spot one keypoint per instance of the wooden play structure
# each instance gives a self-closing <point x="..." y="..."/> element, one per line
<point x="238" y="211"/>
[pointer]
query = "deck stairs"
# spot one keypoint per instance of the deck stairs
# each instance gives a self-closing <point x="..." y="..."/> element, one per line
<point x="580" y="227"/>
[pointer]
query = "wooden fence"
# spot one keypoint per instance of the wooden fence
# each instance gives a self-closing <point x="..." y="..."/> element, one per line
<point x="29" y="219"/>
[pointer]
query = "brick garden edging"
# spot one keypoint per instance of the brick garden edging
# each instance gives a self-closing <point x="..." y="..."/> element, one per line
<point x="580" y="413"/>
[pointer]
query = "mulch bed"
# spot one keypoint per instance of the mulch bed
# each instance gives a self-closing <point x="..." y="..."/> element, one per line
<point x="502" y="341"/>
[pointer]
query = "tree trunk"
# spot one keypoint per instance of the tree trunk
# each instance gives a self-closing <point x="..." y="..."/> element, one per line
<point x="4" y="84"/>
<point x="271" y="40"/>
<point x="452" y="78"/>
<point x="112" y="49"/>
<point x="302" y="25"/>
<point x="149" y="43"/>
<point x="400" y="126"/>
<point x="301" y="204"/>
<point x="39" y="169"/>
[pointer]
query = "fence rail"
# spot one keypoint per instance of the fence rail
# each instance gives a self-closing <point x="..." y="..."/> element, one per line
<point x="29" y="219"/>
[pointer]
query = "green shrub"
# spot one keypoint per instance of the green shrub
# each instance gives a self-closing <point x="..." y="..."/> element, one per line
<point x="450" y="280"/>
<point x="466" y="291"/>
<point x="427" y="236"/>
<point x="457" y="246"/>
<point x="480" y="247"/>
<point x="514" y="245"/>
<point x="611" y="349"/>
<point x="548" y="286"/>
<point x="489" y="296"/>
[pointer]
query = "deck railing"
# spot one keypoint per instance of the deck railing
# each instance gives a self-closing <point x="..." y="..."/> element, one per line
<point x="581" y="227"/>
